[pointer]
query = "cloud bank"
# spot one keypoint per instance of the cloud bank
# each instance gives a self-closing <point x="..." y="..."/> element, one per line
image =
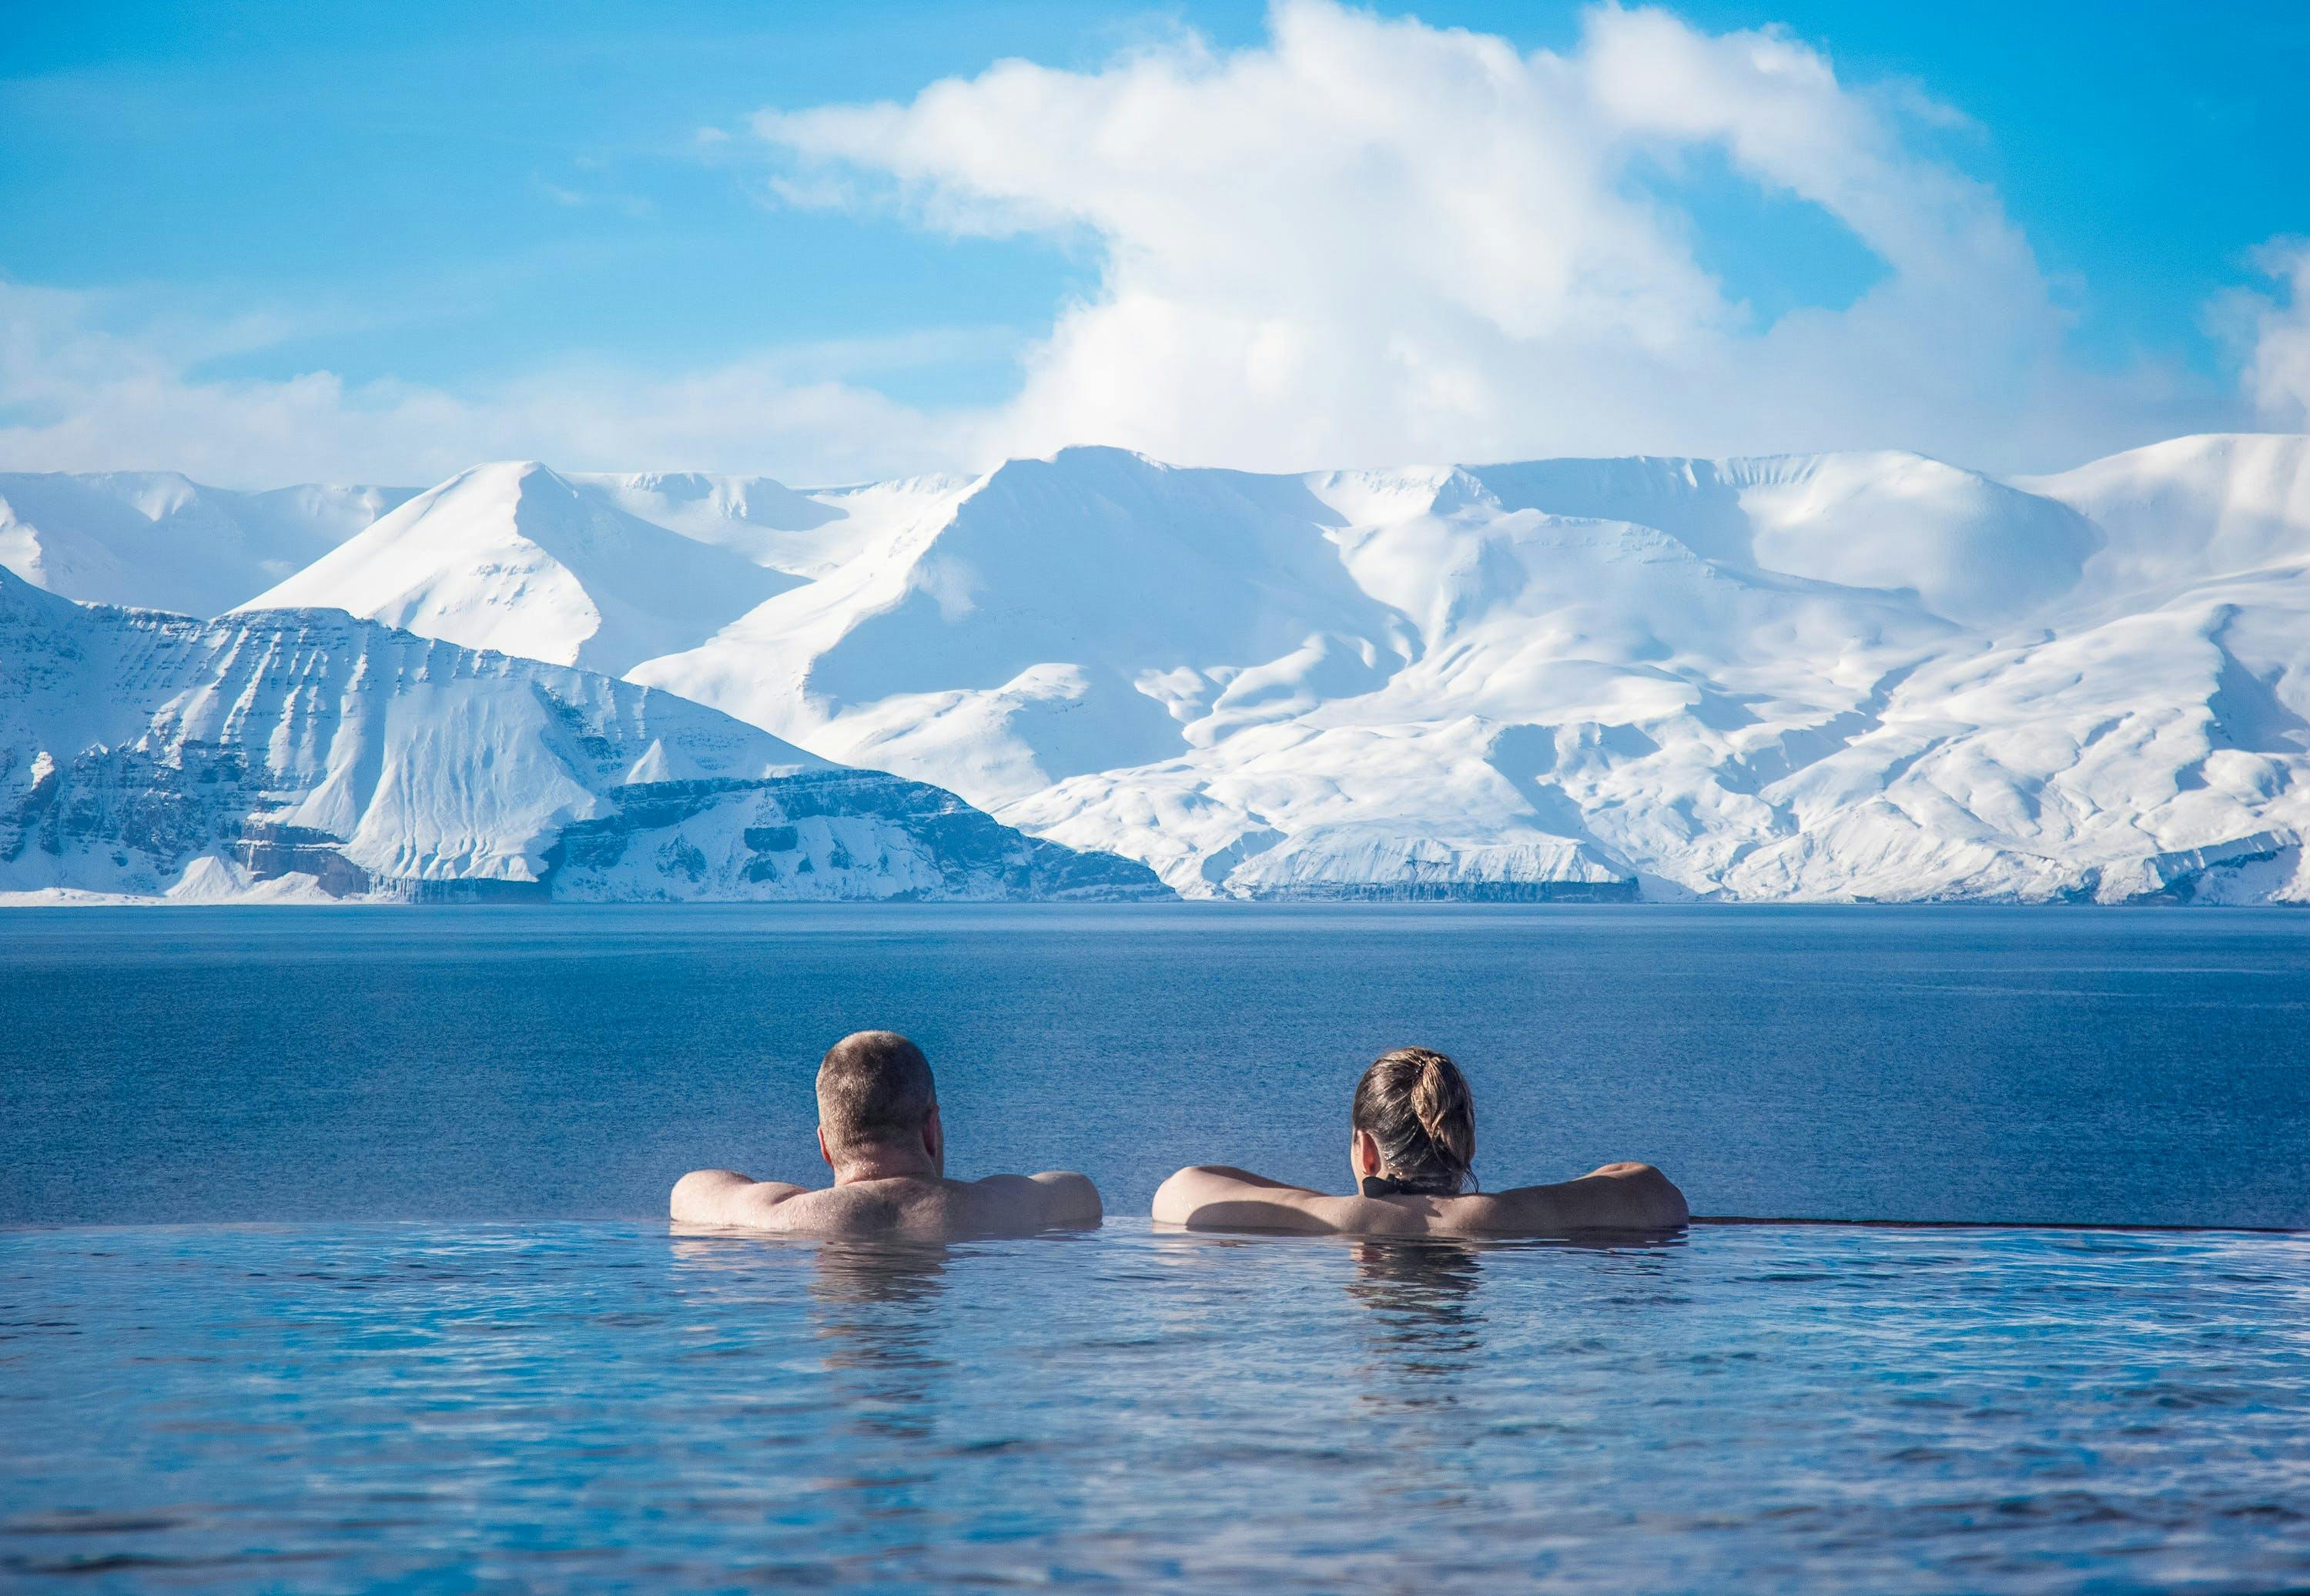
<point x="1371" y="240"/>
<point x="77" y="396"/>
<point x="1364" y="240"/>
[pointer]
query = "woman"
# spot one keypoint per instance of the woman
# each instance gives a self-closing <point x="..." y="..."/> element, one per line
<point x="1411" y="1141"/>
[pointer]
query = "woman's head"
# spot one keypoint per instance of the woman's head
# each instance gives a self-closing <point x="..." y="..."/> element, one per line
<point x="1414" y="1108"/>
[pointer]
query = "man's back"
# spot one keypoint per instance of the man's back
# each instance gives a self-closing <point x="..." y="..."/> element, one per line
<point x="914" y="1207"/>
<point x="879" y="1131"/>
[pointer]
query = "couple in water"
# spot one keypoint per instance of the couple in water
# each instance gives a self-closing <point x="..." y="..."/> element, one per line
<point x="1412" y="1140"/>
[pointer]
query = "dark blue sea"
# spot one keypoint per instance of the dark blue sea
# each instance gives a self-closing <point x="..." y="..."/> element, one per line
<point x="332" y="1254"/>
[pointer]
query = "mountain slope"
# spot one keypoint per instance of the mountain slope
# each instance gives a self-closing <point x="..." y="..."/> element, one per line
<point x="147" y="754"/>
<point x="1973" y="550"/>
<point x="1199" y="666"/>
<point x="2177" y="513"/>
<point x="159" y="541"/>
<point x="1047" y="620"/>
<point x="803" y="533"/>
<point x="517" y="559"/>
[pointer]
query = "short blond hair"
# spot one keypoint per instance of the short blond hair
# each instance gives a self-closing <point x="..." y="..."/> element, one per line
<point x="874" y="1087"/>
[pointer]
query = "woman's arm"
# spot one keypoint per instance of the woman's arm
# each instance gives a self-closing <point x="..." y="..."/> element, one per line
<point x="1216" y="1197"/>
<point x="1613" y="1197"/>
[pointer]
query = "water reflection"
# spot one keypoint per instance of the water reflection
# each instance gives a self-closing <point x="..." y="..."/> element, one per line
<point x="1429" y="1380"/>
<point x="872" y="1272"/>
<point x="1420" y="1293"/>
<point x="875" y="1315"/>
<point x="868" y="1329"/>
<point x="1423" y="1342"/>
<point x="879" y="1330"/>
<point x="556" y="1407"/>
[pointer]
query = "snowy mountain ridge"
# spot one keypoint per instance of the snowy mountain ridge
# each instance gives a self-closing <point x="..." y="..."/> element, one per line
<point x="160" y="540"/>
<point x="308" y="755"/>
<point x="1804" y="676"/>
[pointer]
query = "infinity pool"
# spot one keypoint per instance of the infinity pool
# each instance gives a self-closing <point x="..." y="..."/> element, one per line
<point x="527" y="1384"/>
<point x="564" y="1405"/>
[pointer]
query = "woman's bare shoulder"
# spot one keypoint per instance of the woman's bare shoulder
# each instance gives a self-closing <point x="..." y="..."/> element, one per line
<point x="1622" y="1196"/>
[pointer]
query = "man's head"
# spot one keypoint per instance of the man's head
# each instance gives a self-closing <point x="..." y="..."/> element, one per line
<point x="878" y="1109"/>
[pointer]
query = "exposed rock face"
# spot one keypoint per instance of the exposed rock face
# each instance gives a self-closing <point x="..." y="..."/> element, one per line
<point x="830" y="834"/>
<point x="149" y="754"/>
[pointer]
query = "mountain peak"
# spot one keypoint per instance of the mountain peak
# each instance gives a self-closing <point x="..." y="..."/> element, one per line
<point x="514" y="557"/>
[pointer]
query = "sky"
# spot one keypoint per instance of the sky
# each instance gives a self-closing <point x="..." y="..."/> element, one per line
<point x="264" y="243"/>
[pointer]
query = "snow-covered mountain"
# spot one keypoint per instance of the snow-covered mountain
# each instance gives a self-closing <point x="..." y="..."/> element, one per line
<point x="305" y="753"/>
<point x="520" y="560"/>
<point x="1818" y="677"/>
<point x="1810" y="677"/>
<point x="160" y="542"/>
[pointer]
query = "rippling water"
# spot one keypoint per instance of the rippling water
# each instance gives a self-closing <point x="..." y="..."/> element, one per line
<point x="563" y="1405"/>
<point x="495" y="1394"/>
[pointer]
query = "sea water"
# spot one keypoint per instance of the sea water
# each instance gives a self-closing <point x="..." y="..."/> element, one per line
<point x="2047" y="1066"/>
<point x="329" y="1254"/>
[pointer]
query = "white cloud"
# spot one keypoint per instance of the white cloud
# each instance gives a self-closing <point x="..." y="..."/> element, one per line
<point x="75" y="395"/>
<point x="1370" y="240"/>
<point x="1365" y="240"/>
<point x="2277" y="336"/>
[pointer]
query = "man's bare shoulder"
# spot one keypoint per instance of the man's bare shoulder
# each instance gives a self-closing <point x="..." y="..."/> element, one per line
<point x="725" y="1197"/>
<point x="903" y="1206"/>
<point x="911" y="1207"/>
<point x="1021" y="1204"/>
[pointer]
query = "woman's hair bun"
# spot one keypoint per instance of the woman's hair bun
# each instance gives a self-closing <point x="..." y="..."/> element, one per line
<point x="1415" y="1104"/>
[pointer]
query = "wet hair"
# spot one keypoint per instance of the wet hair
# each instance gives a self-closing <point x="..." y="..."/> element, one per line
<point x="873" y="1087"/>
<point x="1415" y="1104"/>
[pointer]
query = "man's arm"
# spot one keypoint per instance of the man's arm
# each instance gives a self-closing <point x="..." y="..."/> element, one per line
<point x="725" y="1197"/>
<point x="1614" y="1197"/>
<point x="1068" y="1198"/>
<point x="1015" y="1203"/>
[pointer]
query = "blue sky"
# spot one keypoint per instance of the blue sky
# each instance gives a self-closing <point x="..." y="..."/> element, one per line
<point x="457" y="201"/>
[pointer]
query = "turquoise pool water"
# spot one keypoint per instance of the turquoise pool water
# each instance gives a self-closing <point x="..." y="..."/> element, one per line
<point x="566" y="1405"/>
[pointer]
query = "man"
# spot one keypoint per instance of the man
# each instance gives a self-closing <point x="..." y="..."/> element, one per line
<point x="877" y="1130"/>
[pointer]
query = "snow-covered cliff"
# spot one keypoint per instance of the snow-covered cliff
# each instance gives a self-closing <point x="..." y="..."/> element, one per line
<point x="308" y="754"/>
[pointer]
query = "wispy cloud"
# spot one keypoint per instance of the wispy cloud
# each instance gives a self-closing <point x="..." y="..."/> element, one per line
<point x="583" y="199"/>
<point x="2274" y="333"/>
<point x="76" y="395"/>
